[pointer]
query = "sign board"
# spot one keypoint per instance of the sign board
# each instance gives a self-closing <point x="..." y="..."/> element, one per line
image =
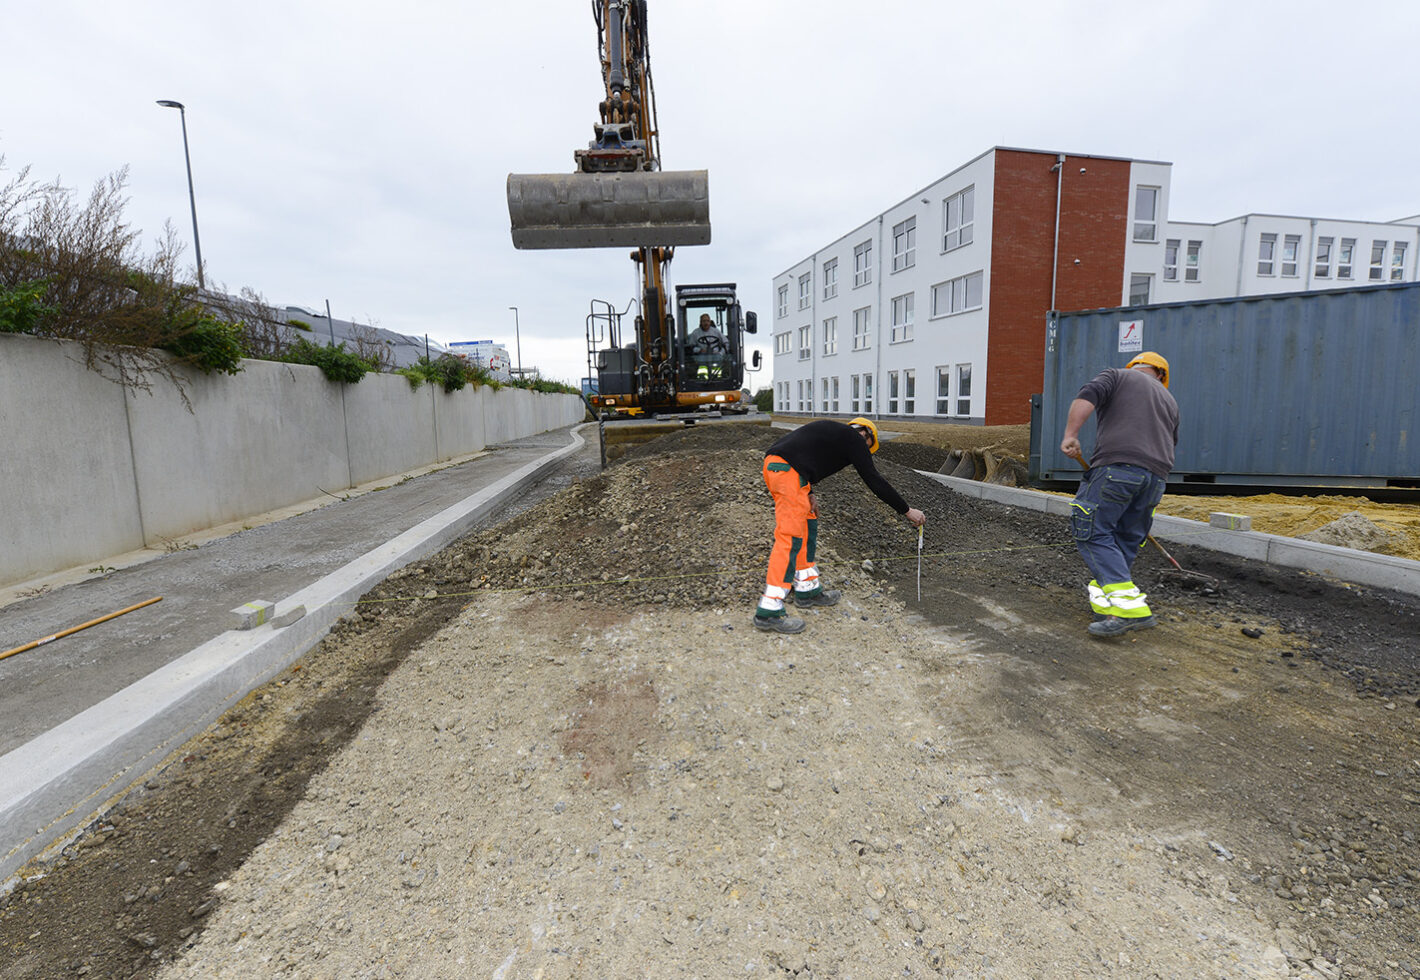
<point x="1131" y="336"/>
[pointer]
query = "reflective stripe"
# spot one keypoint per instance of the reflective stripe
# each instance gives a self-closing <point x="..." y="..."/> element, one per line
<point x="1125" y="600"/>
<point x="806" y="579"/>
<point x="1097" y="600"/>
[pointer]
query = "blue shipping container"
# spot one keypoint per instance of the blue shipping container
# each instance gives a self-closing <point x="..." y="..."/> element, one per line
<point x="1295" y="389"/>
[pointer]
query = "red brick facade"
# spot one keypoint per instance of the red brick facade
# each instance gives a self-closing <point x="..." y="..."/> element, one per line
<point x="1094" y="211"/>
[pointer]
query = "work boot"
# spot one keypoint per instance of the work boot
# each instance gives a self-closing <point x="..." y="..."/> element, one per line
<point x="1115" y="625"/>
<point x="777" y="622"/>
<point x="816" y="597"/>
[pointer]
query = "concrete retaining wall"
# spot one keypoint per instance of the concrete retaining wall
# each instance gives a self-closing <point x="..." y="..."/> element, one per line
<point x="89" y="470"/>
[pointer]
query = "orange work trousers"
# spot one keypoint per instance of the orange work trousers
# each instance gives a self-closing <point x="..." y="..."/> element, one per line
<point x="795" y="523"/>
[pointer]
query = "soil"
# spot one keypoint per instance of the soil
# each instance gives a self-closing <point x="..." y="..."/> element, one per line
<point x="559" y="749"/>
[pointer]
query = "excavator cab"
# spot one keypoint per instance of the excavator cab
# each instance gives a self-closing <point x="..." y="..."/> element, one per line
<point x="710" y="329"/>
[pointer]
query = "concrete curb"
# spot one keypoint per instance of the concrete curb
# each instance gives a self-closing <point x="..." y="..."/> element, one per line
<point x="56" y="784"/>
<point x="1345" y="564"/>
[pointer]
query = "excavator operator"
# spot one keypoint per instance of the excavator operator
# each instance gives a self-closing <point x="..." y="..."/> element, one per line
<point x="708" y="347"/>
<point x="791" y="467"/>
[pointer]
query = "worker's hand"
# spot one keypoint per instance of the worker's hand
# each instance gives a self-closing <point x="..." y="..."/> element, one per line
<point x="1070" y="446"/>
<point x="813" y="504"/>
<point x="916" y="517"/>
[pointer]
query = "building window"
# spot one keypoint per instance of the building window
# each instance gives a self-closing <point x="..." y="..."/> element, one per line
<point x="892" y="392"/>
<point x="1323" y="257"/>
<point x="863" y="264"/>
<point x="853" y="402"/>
<point x="958" y="219"/>
<point x="1377" y="261"/>
<point x="902" y="318"/>
<point x="963" y="389"/>
<point x="1139" y="284"/>
<point x="806" y="342"/>
<point x="1291" y="248"/>
<point x="1267" y="254"/>
<point x="801" y="395"/>
<point x="909" y="392"/>
<point x="860" y="328"/>
<point x="830" y="279"/>
<point x="825" y="397"/>
<point x="1346" y="258"/>
<point x="957" y="295"/>
<point x="904" y="245"/>
<point x="944" y="391"/>
<point x="806" y="290"/>
<point x="783" y="342"/>
<point x="1397" y="262"/>
<point x="1193" y="261"/>
<point x="784" y="300"/>
<point x="1146" y="214"/>
<point x="867" y="394"/>
<point x="1171" y="260"/>
<point x="830" y="335"/>
<point x="834" y="401"/>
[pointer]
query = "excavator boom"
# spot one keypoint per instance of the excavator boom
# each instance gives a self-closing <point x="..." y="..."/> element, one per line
<point x="618" y="196"/>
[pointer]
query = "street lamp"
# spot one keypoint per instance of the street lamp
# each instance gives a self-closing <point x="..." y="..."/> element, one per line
<point x="191" y="197"/>
<point x="517" y="336"/>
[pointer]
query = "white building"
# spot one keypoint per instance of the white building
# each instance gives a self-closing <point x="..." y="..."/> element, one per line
<point x="936" y="307"/>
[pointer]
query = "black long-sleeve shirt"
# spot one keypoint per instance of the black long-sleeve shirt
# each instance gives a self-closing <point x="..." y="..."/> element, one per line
<point x="820" y="449"/>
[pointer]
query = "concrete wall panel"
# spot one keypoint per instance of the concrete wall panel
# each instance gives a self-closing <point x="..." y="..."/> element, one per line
<point x="64" y="448"/>
<point x="267" y="437"/>
<point x="390" y="426"/>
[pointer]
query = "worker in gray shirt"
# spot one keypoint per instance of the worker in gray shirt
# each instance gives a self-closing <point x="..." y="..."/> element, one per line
<point x="1113" y="510"/>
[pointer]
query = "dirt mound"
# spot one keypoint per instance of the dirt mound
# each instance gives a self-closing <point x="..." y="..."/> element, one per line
<point x="1354" y="531"/>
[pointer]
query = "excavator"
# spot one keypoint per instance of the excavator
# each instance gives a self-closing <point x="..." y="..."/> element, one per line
<point x="668" y="366"/>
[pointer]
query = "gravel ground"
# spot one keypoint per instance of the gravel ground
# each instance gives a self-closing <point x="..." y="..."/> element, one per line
<point x="559" y="749"/>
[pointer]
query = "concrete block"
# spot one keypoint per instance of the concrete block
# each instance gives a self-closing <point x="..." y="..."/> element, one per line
<point x="1230" y="522"/>
<point x="288" y="617"/>
<point x="250" y="615"/>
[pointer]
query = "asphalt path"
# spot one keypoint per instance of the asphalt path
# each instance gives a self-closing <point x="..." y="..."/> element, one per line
<point x="199" y="587"/>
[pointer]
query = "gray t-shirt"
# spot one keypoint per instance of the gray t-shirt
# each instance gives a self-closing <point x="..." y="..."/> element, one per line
<point x="1137" y="420"/>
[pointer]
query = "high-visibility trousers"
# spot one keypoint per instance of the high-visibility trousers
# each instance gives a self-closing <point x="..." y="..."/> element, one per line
<point x="795" y="527"/>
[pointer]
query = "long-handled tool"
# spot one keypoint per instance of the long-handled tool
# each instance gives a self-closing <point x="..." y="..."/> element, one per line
<point x="1197" y="577"/>
<point x="81" y="626"/>
<point x="919" y="562"/>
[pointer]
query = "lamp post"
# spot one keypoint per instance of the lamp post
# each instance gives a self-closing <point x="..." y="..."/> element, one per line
<point x="517" y="336"/>
<point x="191" y="197"/>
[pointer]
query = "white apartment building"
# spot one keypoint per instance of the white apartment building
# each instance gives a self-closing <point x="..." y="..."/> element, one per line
<point x="936" y="308"/>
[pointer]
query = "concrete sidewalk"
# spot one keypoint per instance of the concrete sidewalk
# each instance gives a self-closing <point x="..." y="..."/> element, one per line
<point x="88" y="714"/>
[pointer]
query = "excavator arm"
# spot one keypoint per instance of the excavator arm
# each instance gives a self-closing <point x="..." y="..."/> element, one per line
<point x="618" y="196"/>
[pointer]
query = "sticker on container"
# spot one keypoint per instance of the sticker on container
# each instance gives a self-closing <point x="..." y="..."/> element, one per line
<point x="1131" y="336"/>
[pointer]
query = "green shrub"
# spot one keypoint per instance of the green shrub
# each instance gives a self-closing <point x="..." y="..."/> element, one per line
<point x="299" y="325"/>
<point x="764" y="399"/>
<point x="545" y="386"/>
<point x="337" y="362"/>
<point x="446" y="370"/>
<point x="208" y="344"/>
<point x="22" y="307"/>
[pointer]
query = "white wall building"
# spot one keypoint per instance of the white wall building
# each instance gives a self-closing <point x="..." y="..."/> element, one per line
<point x="936" y="307"/>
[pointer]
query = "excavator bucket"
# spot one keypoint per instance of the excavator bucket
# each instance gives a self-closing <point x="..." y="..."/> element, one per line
<point x="610" y="210"/>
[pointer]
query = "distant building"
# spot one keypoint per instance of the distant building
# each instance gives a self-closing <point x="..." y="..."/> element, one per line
<point x="487" y="354"/>
<point x="936" y="308"/>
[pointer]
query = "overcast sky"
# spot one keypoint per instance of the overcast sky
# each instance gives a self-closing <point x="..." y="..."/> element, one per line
<point x="357" y="152"/>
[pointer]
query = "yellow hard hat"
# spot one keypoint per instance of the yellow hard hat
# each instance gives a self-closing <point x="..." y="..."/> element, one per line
<point x="1154" y="361"/>
<point x="867" y="424"/>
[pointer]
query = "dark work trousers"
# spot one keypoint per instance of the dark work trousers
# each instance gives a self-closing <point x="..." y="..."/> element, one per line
<point x="1111" y="516"/>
